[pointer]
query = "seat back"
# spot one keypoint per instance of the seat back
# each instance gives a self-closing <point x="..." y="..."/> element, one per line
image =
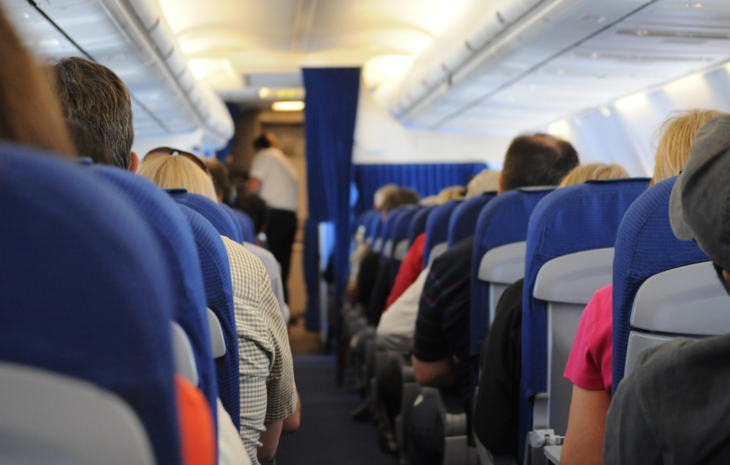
<point x="572" y="219"/>
<point x="463" y="221"/>
<point x="237" y="223"/>
<point x="437" y="231"/>
<point x="418" y="223"/>
<point x="688" y="301"/>
<point x="38" y="406"/>
<point x="249" y="230"/>
<point x="388" y="234"/>
<point x="181" y="257"/>
<point x="211" y="211"/>
<point x="219" y="295"/>
<point x="374" y="232"/>
<point x="400" y="240"/>
<point x="645" y="247"/>
<point x="85" y="291"/>
<point x="499" y="255"/>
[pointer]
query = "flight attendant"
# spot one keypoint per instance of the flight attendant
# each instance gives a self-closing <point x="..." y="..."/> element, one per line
<point x="275" y="179"/>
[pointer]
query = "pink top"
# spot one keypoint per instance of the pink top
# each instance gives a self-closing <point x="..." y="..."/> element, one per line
<point x="591" y="358"/>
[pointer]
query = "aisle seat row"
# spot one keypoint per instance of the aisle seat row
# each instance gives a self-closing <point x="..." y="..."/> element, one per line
<point x="568" y="244"/>
<point x="110" y="286"/>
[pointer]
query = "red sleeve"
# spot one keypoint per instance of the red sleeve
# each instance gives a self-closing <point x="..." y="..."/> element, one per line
<point x="589" y="364"/>
<point x="197" y="433"/>
<point x="409" y="270"/>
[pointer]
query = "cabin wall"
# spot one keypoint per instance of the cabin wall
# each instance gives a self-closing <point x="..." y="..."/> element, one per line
<point x="625" y="132"/>
<point x="380" y="138"/>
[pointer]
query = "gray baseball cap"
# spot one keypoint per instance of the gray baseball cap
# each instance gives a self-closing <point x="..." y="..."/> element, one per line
<point x="699" y="208"/>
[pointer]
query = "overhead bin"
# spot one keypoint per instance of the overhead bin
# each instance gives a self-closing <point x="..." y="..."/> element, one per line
<point x="132" y="38"/>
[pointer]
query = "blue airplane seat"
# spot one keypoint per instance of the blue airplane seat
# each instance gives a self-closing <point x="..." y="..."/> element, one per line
<point x="249" y="231"/>
<point x="181" y="255"/>
<point x="237" y="223"/>
<point x="388" y="234"/>
<point x="645" y="246"/>
<point x="437" y="230"/>
<point x="502" y="221"/>
<point x="374" y="229"/>
<point x="463" y="221"/>
<point x="210" y="210"/>
<point x="400" y="240"/>
<point x="86" y="292"/>
<point x="219" y="294"/>
<point x="573" y="219"/>
<point x="418" y="223"/>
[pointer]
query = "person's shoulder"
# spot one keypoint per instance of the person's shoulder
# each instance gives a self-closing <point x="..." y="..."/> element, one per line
<point x="261" y="253"/>
<point x="455" y="257"/>
<point x="240" y="257"/>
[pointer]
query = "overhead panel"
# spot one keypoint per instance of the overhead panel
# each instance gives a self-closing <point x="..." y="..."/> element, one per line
<point x="591" y="54"/>
<point x="105" y="32"/>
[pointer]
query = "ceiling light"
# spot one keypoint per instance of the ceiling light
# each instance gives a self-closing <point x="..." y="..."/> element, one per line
<point x="296" y="105"/>
<point x="264" y="92"/>
<point x="605" y="111"/>
<point x="632" y="102"/>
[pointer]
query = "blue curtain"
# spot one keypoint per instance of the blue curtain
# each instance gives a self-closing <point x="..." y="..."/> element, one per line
<point x="426" y="179"/>
<point x="330" y="112"/>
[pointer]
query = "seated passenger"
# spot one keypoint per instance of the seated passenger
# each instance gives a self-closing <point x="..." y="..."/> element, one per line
<point x="221" y="180"/>
<point x="87" y="144"/>
<point x="590" y="363"/>
<point x="673" y="407"/>
<point x="496" y="412"/>
<point x="441" y="343"/>
<point x="268" y="394"/>
<point x="95" y="97"/>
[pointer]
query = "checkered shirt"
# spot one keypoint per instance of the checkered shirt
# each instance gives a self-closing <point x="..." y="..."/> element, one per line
<point x="266" y="370"/>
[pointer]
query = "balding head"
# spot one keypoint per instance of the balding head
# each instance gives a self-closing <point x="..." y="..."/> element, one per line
<point x="537" y="160"/>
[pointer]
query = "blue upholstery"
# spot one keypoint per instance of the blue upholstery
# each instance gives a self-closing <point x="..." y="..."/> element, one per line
<point x="179" y="251"/>
<point x="210" y="210"/>
<point x="219" y="294"/>
<point x="463" y="221"/>
<point x="374" y="228"/>
<point x="249" y="231"/>
<point x="402" y="229"/>
<point x="437" y="227"/>
<point x="236" y="222"/>
<point x="364" y="218"/>
<point x="418" y="223"/>
<point x="502" y="221"/>
<point x="569" y="220"/>
<point x="388" y="232"/>
<point x="85" y="290"/>
<point x="645" y="246"/>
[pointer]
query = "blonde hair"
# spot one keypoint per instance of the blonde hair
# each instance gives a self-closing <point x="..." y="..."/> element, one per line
<point x="176" y="172"/>
<point x="485" y="181"/>
<point x="583" y="173"/>
<point x="450" y="193"/>
<point x="675" y="137"/>
<point x="30" y="113"/>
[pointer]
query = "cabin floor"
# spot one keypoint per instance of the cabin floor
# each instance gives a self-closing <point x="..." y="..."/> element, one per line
<point x="327" y="434"/>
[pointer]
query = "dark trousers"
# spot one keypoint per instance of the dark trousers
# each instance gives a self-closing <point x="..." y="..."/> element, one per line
<point x="280" y="234"/>
<point x="426" y="433"/>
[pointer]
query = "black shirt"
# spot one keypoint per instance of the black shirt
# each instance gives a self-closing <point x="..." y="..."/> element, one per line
<point x="497" y="410"/>
<point x="442" y="325"/>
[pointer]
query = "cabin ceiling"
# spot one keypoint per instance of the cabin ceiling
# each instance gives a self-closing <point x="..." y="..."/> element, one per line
<point x="230" y="42"/>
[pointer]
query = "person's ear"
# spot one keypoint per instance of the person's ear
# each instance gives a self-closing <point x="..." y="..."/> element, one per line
<point x="133" y="162"/>
<point x="500" y="190"/>
<point x="726" y="280"/>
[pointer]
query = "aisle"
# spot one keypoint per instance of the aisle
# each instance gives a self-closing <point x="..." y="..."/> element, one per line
<point x="327" y="434"/>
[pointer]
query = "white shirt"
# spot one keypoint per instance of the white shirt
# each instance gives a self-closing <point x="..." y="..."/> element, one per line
<point x="274" y="270"/>
<point x="398" y="324"/>
<point x="279" y="179"/>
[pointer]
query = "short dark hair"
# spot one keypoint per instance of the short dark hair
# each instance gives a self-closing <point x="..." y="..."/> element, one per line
<point x="87" y="144"/>
<point x="221" y="180"/>
<point x="537" y="160"/>
<point x="263" y="142"/>
<point x="94" y="96"/>
<point x="398" y="198"/>
<point x="255" y="207"/>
